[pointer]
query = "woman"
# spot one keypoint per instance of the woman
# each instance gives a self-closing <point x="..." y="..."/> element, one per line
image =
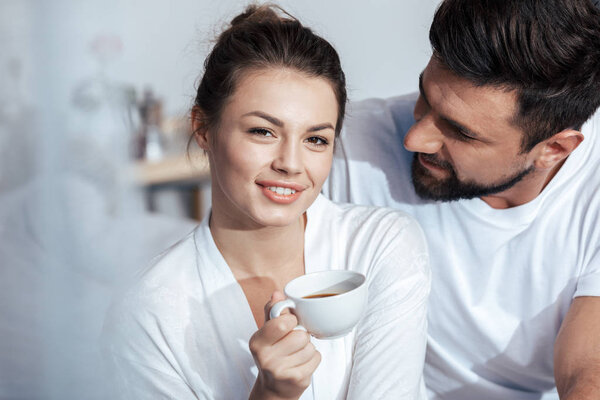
<point x="268" y="110"/>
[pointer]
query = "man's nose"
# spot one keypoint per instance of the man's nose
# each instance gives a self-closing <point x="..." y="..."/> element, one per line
<point x="288" y="158"/>
<point x="424" y="136"/>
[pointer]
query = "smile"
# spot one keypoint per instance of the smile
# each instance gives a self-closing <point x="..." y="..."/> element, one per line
<point x="281" y="190"/>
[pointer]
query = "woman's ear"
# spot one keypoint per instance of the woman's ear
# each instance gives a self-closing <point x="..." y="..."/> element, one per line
<point x="558" y="147"/>
<point x="199" y="129"/>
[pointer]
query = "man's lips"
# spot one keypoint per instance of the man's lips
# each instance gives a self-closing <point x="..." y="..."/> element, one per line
<point x="429" y="162"/>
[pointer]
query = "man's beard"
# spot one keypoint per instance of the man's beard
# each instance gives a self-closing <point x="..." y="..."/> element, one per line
<point x="450" y="188"/>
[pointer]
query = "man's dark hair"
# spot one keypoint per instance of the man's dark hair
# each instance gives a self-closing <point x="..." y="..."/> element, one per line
<point x="546" y="50"/>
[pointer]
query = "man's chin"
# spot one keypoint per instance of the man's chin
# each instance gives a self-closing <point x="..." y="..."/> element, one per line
<point x="449" y="189"/>
<point x="428" y="187"/>
<point x="435" y="192"/>
<point x="441" y="190"/>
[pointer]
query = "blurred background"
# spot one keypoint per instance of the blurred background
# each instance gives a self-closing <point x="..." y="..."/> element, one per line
<point x="94" y="176"/>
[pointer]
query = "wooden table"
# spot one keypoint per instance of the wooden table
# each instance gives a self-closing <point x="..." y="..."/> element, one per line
<point x="172" y="171"/>
<point x="186" y="172"/>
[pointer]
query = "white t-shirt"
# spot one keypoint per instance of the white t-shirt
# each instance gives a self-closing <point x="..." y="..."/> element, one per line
<point x="182" y="331"/>
<point x="502" y="280"/>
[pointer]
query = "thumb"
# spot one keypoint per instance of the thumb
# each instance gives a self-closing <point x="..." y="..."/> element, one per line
<point x="276" y="297"/>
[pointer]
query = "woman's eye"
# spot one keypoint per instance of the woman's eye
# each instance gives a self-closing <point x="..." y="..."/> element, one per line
<point x="317" y="140"/>
<point x="261" y="132"/>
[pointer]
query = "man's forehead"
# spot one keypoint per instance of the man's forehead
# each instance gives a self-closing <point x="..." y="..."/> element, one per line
<point x="458" y="99"/>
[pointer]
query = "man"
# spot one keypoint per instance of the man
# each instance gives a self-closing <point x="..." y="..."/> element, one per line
<point x="504" y="154"/>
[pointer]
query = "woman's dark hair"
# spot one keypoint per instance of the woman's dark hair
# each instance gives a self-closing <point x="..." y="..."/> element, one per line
<point x="548" y="51"/>
<point x="265" y="36"/>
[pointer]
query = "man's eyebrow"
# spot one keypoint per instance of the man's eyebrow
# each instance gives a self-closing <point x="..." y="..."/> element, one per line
<point x="270" y="118"/>
<point x="450" y="121"/>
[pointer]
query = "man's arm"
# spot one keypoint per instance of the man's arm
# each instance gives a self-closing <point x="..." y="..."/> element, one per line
<point x="577" y="351"/>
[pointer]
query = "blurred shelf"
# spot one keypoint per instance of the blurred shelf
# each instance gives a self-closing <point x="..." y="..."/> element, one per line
<point x="178" y="170"/>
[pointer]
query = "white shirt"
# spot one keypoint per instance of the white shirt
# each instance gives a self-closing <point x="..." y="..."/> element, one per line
<point x="503" y="280"/>
<point x="63" y="253"/>
<point x="182" y="331"/>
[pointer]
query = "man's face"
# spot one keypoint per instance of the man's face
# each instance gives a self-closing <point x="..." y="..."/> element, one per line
<point x="464" y="140"/>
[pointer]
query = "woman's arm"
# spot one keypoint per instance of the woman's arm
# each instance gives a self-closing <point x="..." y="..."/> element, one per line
<point x="132" y="380"/>
<point x="139" y="361"/>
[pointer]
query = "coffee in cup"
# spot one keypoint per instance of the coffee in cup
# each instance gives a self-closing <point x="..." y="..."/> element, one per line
<point x="328" y="304"/>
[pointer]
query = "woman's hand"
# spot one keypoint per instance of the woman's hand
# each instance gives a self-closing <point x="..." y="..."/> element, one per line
<point x="286" y="358"/>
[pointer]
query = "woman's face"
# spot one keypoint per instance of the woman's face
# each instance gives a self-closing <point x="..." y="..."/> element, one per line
<point x="273" y="148"/>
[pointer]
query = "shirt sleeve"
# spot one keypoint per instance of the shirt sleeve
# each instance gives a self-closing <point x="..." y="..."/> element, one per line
<point x="588" y="283"/>
<point x="391" y="339"/>
<point x="139" y="359"/>
<point x="134" y="380"/>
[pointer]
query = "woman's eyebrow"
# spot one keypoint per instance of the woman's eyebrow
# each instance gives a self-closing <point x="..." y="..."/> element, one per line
<point x="277" y="122"/>
<point x="270" y="118"/>
<point x="321" y="127"/>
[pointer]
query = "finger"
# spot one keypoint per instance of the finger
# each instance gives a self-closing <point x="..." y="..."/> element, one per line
<point x="309" y="367"/>
<point x="292" y="342"/>
<point x="302" y="356"/>
<point x="274" y="330"/>
<point x="276" y="297"/>
<point x="302" y="374"/>
<point x="271" y="343"/>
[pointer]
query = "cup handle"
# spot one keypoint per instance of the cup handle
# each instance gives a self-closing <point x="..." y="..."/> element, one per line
<point x="279" y="307"/>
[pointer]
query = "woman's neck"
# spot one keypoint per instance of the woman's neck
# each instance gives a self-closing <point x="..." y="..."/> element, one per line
<point x="263" y="251"/>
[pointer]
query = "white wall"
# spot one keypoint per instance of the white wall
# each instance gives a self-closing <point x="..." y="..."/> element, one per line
<point x="383" y="44"/>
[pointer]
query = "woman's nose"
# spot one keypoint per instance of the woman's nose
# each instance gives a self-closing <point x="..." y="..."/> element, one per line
<point x="288" y="159"/>
<point x="424" y="137"/>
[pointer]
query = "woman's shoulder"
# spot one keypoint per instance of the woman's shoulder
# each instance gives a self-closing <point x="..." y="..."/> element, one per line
<point x="377" y="240"/>
<point x="165" y="278"/>
<point x="374" y="232"/>
<point x="366" y="217"/>
<point x="173" y="263"/>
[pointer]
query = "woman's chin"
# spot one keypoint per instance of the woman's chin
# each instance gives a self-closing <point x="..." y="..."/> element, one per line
<point x="277" y="220"/>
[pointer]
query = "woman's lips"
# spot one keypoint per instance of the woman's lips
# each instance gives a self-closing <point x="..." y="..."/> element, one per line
<point x="281" y="192"/>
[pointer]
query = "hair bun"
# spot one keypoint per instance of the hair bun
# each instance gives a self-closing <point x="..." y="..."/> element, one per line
<point x="261" y="13"/>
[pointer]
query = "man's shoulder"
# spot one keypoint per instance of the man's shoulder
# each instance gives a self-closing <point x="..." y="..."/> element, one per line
<point x="376" y="117"/>
<point x="371" y="165"/>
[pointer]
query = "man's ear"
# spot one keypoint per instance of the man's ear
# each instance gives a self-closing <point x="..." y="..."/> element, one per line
<point x="557" y="148"/>
<point x="199" y="128"/>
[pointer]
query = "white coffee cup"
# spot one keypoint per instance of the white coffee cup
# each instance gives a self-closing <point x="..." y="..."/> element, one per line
<point x="325" y="317"/>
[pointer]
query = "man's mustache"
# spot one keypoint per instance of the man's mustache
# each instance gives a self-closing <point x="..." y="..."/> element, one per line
<point x="431" y="158"/>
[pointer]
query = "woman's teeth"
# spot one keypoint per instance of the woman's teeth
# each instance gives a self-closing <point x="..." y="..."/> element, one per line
<point x="280" y="190"/>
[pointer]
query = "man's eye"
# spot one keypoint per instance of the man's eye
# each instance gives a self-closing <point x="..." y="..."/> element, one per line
<point x="462" y="135"/>
<point x="261" y="132"/>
